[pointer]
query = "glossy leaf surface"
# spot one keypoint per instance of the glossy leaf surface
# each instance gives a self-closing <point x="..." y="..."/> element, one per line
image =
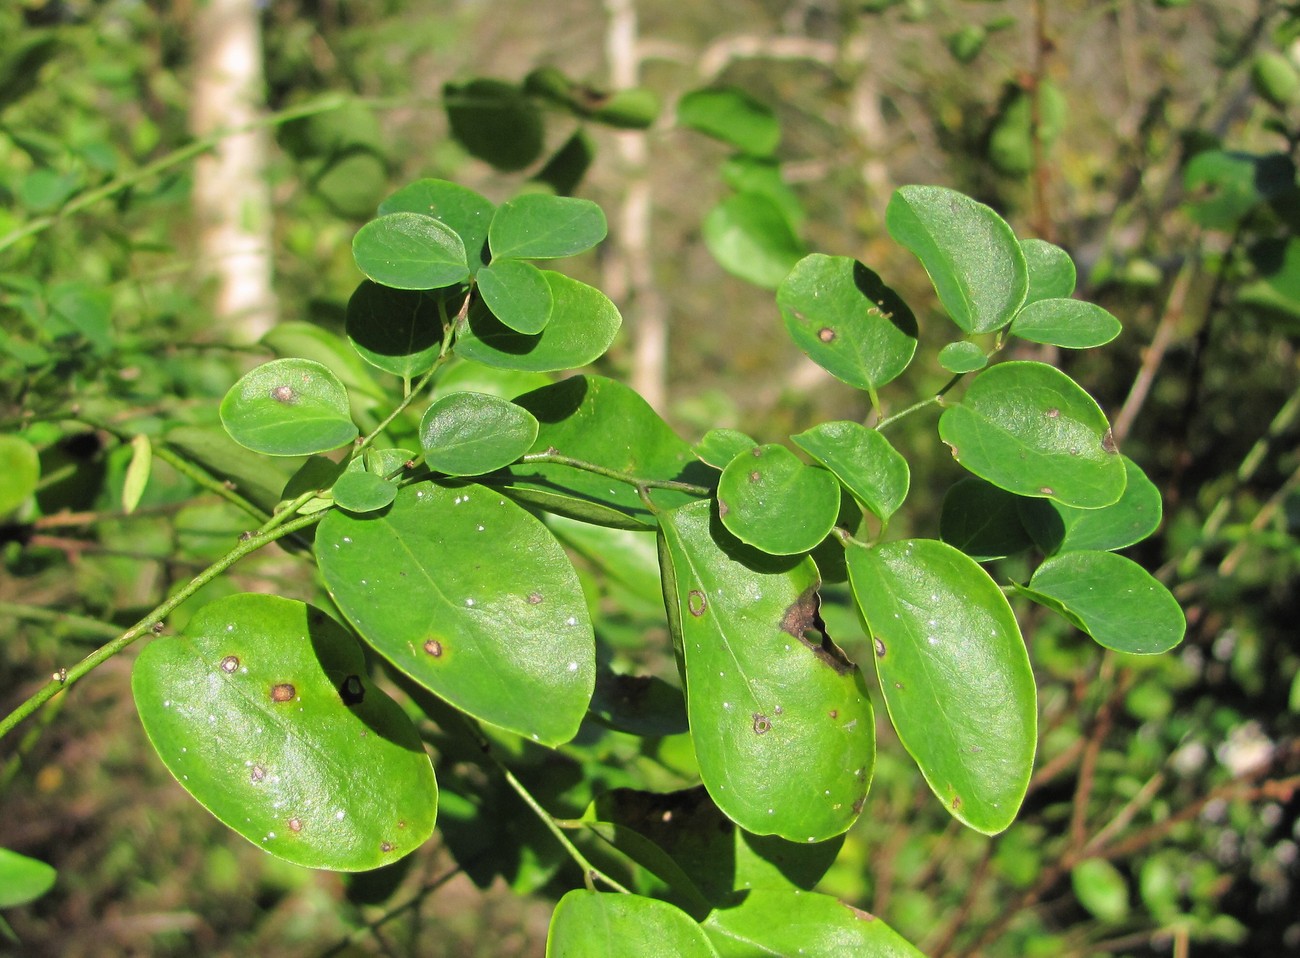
<point x="971" y="254"/>
<point x="540" y="226"/>
<point x="732" y="116"/>
<point x="781" y="721"/>
<point x="872" y="470"/>
<point x="410" y="251"/>
<point x="1113" y="599"/>
<point x="588" y="924"/>
<point x="464" y="210"/>
<point x="717" y="447"/>
<point x="1030" y="429"/>
<point x="772" y="501"/>
<point x="847" y="320"/>
<point x="750" y="237"/>
<point x="23" y="879"/>
<point x="396" y="330"/>
<point x="468" y="434"/>
<point x="288" y="407"/>
<point x="1058" y="528"/>
<point x="517" y="293"/>
<point x="601" y="421"/>
<point x="1070" y="323"/>
<point x="264" y="712"/>
<point x="472" y="598"/>
<point x="582" y="325"/>
<point x="798" y="924"/>
<point x="962" y="357"/>
<point x="360" y="491"/>
<point x="1051" y="270"/>
<point x="954" y="672"/>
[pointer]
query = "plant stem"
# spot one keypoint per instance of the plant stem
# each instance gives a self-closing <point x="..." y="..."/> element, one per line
<point x="65" y="677"/>
<point x="937" y="397"/>
<point x="640" y="484"/>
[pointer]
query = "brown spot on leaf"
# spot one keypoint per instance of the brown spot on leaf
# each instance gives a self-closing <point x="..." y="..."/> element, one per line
<point x="723" y="508"/>
<point x="284" y="394"/>
<point x="755" y="476"/>
<point x="826" y="334"/>
<point x="834" y="713"/>
<point x="352" y="691"/>
<point x="762" y="724"/>
<point x="879" y="643"/>
<point x="956" y="802"/>
<point x="857" y="805"/>
<point x="386" y="847"/>
<point x="257" y="774"/>
<point x="295" y="824"/>
<point x="1047" y="490"/>
<point x="1053" y="413"/>
<point x="433" y="647"/>
<point x="696" y="603"/>
<point x="534" y="598"/>
<point x="283" y="692"/>
<point x="756" y="452"/>
<point x="230" y="663"/>
<point x="1108" y="443"/>
<point x="803" y="616"/>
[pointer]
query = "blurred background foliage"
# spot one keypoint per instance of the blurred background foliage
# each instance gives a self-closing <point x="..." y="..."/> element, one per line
<point x="1155" y="141"/>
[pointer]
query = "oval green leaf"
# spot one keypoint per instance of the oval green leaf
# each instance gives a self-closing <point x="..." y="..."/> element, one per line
<point x="1101" y="889"/>
<point x="732" y="116"/>
<point x="1030" y="429"/>
<point x="588" y="924"/>
<point x="541" y="226"/>
<point x="1051" y="270"/>
<point x="464" y="210"/>
<point x="971" y="254"/>
<point x="781" y="720"/>
<point x="1113" y="599"/>
<point x="495" y="121"/>
<point x="137" y="473"/>
<point x="468" y="434"/>
<point x="265" y="714"/>
<point x="954" y="673"/>
<point x="847" y="320"/>
<point x="410" y="251"/>
<point x="23" y="879"/>
<point x="517" y="293"/>
<point x="770" y="500"/>
<point x="1070" y="323"/>
<point x="1058" y="528"/>
<point x="872" y="470"/>
<point x="719" y="446"/>
<point x="20" y="470"/>
<point x="396" y="330"/>
<point x="750" y="237"/>
<point x="582" y="326"/>
<point x="602" y="422"/>
<point x="962" y="357"/>
<point x="982" y="520"/>
<point x="790" y="923"/>
<point x="471" y="597"/>
<point x="288" y="407"/>
<point x="359" y="491"/>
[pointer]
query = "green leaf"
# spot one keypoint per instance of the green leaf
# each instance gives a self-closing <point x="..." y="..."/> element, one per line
<point x="600" y="421"/>
<point x="582" y="326"/>
<point x="750" y="237"/>
<point x="396" y="330"/>
<point x="863" y="460"/>
<point x="795" y="924"/>
<point x="288" y="407"/>
<point x="464" y="210"/>
<point x="732" y="116"/>
<point x="1071" y="323"/>
<point x="781" y="720"/>
<point x="468" y="434"/>
<point x="296" y="339"/>
<point x="410" y="251"/>
<point x="1224" y="187"/>
<point x="954" y="673"/>
<point x="255" y="477"/>
<point x="1051" y="270"/>
<point x="1113" y="599"/>
<point x="847" y="321"/>
<point x="137" y="473"/>
<point x="20" y="470"/>
<point x="1030" y="429"/>
<point x="982" y="520"/>
<point x="635" y="108"/>
<point x="472" y="598"/>
<point x="568" y="165"/>
<point x="517" y="293"/>
<point x="1101" y="889"/>
<point x="495" y="122"/>
<point x="719" y="446"/>
<point x="538" y="226"/>
<point x="770" y="500"/>
<point x="85" y="310"/>
<point x="359" y="491"/>
<point x="1058" y="528"/>
<point x="265" y="714"/>
<point x="588" y="924"/>
<point x="971" y="254"/>
<point x="762" y="174"/>
<point x="23" y="879"/>
<point x="962" y="357"/>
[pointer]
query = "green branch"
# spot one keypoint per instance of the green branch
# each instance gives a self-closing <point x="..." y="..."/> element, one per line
<point x="642" y="486"/>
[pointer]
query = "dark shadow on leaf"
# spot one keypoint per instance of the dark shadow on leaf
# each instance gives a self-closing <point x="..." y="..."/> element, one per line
<point x="889" y="303"/>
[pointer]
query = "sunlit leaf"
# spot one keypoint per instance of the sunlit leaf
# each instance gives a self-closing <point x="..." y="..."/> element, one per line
<point x="772" y="501"/>
<point x="23" y="879"/>
<point x="410" y="251"/>
<point x="962" y="357"/>
<point x="1051" y="270"/>
<point x="517" y="293"/>
<point x="588" y="924"/>
<point x="796" y="924"/>
<point x="750" y="237"/>
<point x="20" y="470"/>
<point x="539" y="226"/>
<point x="1071" y="323"/>
<point x="464" y="210"/>
<point x="872" y="470"/>
<point x="733" y="116"/>
<point x="288" y="407"/>
<point x="1058" y="528"/>
<point x="137" y="473"/>
<point x="468" y="434"/>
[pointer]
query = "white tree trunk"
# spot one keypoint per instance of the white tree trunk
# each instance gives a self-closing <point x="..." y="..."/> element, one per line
<point x="232" y="198"/>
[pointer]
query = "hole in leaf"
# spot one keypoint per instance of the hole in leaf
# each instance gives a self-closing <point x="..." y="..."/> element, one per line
<point x="283" y="692"/>
<point x="352" y="691"/>
<point x="802" y="619"/>
<point x="762" y="724"/>
<point x="696" y="603"/>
